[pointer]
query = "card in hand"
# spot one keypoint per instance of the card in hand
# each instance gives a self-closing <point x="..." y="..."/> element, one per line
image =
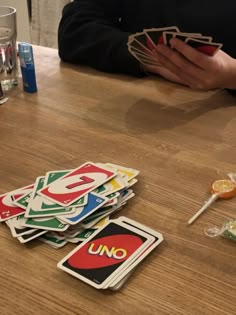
<point x="105" y="253"/>
<point x="142" y="53"/>
<point x="146" y="61"/>
<point x="182" y="36"/>
<point x="76" y="184"/>
<point x="134" y="50"/>
<point x="155" y="35"/>
<point x="209" y="49"/>
<point x="143" y="39"/>
<point x="133" y="44"/>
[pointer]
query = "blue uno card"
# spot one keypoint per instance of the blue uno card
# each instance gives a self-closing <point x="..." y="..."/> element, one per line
<point x="95" y="202"/>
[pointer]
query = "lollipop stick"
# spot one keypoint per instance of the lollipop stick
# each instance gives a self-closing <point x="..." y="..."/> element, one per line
<point x="203" y="208"/>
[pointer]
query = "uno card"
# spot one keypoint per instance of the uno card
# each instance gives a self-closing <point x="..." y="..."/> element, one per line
<point x="52" y="176"/>
<point x="98" y="222"/>
<point x="97" y="216"/>
<point x="38" y="206"/>
<point x="76" y="184"/>
<point x="145" y="60"/>
<point x="22" y="191"/>
<point x="114" y="185"/>
<point x="130" y="173"/>
<point x="95" y="202"/>
<point x="134" y="50"/>
<point x="209" y="49"/>
<point x="156" y="34"/>
<point x="182" y="36"/>
<point x="113" y="195"/>
<point x="23" y="200"/>
<point x="134" y="44"/>
<point x="16" y="227"/>
<point x="142" y="39"/>
<point x="72" y="230"/>
<point x="105" y="253"/>
<point x="101" y="190"/>
<point x="29" y="237"/>
<point x="7" y="208"/>
<point x="158" y="238"/>
<point x="45" y="223"/>
<point x="53" y="241"/>
<point x="132" y="182"/>
<point x="82" y="236"/>
<point x="111" y="202"/>
<point x="101" y="223"/>
<point x="120" y="284"/>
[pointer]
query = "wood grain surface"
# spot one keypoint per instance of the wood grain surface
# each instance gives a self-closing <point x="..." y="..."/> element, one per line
<point x="180" y="140"/>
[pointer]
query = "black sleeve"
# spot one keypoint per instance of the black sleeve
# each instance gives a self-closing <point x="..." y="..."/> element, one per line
<point x="89" y="33"/>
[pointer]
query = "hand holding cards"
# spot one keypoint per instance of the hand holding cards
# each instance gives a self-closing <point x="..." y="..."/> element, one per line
<point x="142" y="45"/>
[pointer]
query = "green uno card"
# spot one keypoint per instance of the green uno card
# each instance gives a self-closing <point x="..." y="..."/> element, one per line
<point x="47" y="223"/>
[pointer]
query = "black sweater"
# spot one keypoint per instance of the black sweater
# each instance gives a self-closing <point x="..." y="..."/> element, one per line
<point x="95" y="32"/>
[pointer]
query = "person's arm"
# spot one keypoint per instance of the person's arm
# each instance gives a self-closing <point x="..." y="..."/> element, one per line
<point x="89" y="33"/>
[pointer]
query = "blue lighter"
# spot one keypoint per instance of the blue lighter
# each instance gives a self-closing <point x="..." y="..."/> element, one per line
<point x="27" y="67"/>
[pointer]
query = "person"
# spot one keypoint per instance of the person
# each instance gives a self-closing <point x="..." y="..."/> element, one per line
<point x="95" y="33"/>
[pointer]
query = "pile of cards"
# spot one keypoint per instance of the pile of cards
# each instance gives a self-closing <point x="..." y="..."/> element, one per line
<point x="67" y="205"/>
<point x="109" y="256"/>
<point x="142" y="45"/>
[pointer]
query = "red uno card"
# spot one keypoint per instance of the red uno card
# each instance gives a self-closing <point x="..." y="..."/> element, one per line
<point x="76" y="184"/>
<point x="105" y="253"/>
<point x="7" y="208"/>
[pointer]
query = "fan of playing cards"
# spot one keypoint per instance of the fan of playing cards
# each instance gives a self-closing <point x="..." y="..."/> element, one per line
<point x="74" y="206"/>
<point x="141" y="45"/>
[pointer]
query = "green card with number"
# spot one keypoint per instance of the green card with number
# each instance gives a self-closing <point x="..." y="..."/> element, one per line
<point x="23" y="201"/>
<point x="47" y="223"/>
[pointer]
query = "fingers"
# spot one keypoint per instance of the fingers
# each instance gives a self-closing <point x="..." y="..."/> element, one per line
<point x="177" y="60"/>
<point x="177" y="64"/>
<point x="165" y="73"/>
<point x="190" y="53"/>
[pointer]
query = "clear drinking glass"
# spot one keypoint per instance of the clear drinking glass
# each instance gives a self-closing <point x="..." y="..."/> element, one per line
<point x="8" y="54"/>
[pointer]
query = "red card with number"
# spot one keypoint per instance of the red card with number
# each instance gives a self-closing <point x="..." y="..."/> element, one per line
<point x="76" y="184"/>
<point x="7" y="208"/>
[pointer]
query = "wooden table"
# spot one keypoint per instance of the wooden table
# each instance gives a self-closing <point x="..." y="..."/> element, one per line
<point x="180" y="140"/>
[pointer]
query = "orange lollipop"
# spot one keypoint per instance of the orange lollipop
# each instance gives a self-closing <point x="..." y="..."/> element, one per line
<point x="222" y="188"/>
